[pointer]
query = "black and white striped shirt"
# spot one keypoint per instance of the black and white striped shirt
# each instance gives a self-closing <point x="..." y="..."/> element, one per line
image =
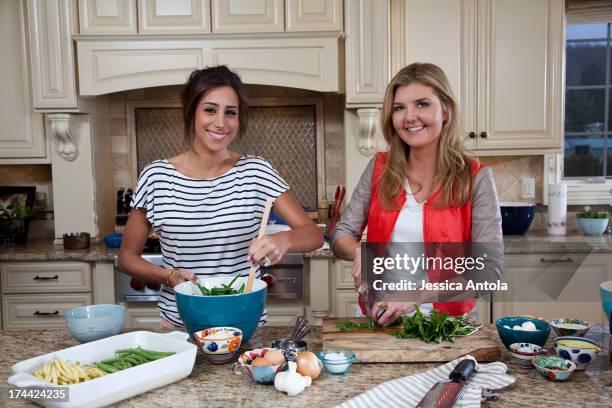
<point x="206" y="225"/>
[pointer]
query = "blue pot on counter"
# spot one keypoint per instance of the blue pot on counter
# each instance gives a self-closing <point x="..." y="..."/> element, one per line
<point x="516" y="217"/>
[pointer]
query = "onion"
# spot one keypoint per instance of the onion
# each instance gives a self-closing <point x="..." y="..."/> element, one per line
<point x="308" y="364"/>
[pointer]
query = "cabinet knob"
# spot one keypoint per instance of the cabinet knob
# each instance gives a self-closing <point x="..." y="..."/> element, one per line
<point x="472" y="135"/>
<point x="483" y="135"/>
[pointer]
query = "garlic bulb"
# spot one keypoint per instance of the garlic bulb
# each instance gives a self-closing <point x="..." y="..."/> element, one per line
<point x="290" y="381"/>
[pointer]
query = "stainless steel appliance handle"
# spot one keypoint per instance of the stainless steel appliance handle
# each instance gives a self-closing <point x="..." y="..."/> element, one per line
<point x="142" y="298"/>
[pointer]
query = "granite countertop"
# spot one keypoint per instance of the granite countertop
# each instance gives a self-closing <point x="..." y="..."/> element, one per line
<point x="217" y="386"/>
<point x="531" y="243"/>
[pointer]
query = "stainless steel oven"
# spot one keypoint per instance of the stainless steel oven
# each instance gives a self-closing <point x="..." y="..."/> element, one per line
<point x="285" y="281"/>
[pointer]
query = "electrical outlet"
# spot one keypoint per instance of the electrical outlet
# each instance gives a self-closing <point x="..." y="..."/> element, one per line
<point x="528" y="187"/>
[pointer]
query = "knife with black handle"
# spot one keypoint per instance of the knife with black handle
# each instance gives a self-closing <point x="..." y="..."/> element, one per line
<point x="444" y="394"/>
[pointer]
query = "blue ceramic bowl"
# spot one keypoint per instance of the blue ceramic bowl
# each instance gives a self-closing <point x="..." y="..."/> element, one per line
<point x="578" y="350"/>
<point x="593" y="226"/>
<point x="605" y="293"/>
<point x="509" y="335"/>
<point x="89" y="323"/>
<point x="516" y="217"/>
<point x="113" y="240"/>
<point x="202" y="312"/>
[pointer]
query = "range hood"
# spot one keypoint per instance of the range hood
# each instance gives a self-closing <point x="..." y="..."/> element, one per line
<point x="109" y="64"/>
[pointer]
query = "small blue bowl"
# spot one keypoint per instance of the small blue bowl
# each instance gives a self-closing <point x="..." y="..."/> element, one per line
<point x="336" y="366"/>
<point x="516" y="217"/>
<point x="510" y="336"/>
<point x="113" y="240"/>
<point x="593" y="226"/>
<point x="95" y="322"/>
<point x="202" y="312"/>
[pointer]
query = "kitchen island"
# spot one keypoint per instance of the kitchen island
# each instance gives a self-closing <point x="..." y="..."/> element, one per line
<point x="217" y="386"/>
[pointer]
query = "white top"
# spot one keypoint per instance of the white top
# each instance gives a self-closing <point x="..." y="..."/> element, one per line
<point x="409" y="225"/>
<point x="409" y="228"/>
<point x="206" y="225"/>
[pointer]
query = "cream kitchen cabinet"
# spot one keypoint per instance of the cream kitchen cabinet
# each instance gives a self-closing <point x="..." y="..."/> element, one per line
<point x="104" y="17"/>
<point x="173" y="16"/>
<point x="313" y="15"/>
<point x="504" y="59"/>
<point x="247" y="16"/>
<point x="51" y="53"/>
<point x="22" y="137"/>
<point x="554" y="285"/>
<point x="367" y="52"/>
<point x="141" y="316"/>
<point x="283" y="313"/>
<point x="36" y="294"/>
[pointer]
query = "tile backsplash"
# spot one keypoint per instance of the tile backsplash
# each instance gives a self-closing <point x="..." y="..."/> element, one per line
<point x="333" y="116"/>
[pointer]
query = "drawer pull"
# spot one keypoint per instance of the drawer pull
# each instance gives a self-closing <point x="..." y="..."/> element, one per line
<point x="37" y="313"/>
<point x="55" y="277"/>
<point x="567" y="260"/>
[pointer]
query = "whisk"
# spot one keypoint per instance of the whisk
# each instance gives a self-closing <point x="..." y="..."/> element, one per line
<point x="301" y="329"/>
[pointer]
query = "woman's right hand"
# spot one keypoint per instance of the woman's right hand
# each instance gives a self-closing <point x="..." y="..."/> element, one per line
<point x="356" y="271"/>
<point x="180" y="276"/>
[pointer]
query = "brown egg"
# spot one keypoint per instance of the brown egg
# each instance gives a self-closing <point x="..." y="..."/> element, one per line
<point x="260" y="361"/>
<point x="274" y="356"/>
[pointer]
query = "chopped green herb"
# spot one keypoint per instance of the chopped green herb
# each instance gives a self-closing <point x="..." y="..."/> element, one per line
<point x="436" y="327"/>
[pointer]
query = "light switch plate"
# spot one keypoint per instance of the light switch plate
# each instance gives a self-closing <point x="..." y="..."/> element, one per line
<point x="527" y="187"/>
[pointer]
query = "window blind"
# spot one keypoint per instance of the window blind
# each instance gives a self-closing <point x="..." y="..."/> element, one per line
<point x="588" y="11"/>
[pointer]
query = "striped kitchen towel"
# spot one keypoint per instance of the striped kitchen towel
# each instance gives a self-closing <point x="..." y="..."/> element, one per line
<point x="407" y="391"/>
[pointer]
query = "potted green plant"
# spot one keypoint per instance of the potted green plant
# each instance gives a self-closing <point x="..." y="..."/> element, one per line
<point x="14" y="223"/>
<point x="592" y="222"/>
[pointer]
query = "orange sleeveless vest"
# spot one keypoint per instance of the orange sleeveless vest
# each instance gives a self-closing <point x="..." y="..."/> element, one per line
<point x="449" y="224"/>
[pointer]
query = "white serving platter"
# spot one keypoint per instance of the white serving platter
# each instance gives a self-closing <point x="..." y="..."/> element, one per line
<point x="122" y="384"/>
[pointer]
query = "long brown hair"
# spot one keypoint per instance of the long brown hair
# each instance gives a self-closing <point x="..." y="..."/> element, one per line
<point x="453" y="170"/>
<point x="203" y="80"/>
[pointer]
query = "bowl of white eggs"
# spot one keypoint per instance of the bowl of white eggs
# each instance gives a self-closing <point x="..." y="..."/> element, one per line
<point x="514" y="329"/>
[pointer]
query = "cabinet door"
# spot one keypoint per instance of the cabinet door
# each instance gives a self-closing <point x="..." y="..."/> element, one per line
<point x="451" y="46"/>
<point x="22" y="137"/>
<point x="283" y="313"/>
<point x="51" y="52"/>
<point x="520" y="54"/>
<point x="367" y="52"/>
<point x="174" y="16"/>
<point x="314" y="15"/>
<point x="554" y="286"/>
<point x="247" y="16"/>
<point x="141" y="316"/>
<point x="107" y="17"/>
<point x="346" y="303"/>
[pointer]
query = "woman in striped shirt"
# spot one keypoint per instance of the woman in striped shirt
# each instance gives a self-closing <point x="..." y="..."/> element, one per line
<point x="206" y="204"/>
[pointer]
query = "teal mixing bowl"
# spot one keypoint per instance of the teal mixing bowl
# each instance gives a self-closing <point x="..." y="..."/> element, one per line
<point x="89" y="323"/>
<point x="202" y="312"/>
<point x="509" y="335"/>
<point x="605" y="292"/>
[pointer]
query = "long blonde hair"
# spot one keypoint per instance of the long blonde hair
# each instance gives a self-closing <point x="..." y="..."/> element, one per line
<point x="453" y="170"/>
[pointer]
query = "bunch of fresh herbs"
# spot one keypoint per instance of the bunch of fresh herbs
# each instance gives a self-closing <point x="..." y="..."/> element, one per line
<point x="347" y="325"/>
<point x="435" y="327"/>
<point x="592" y="214"/>
<point x="224" y="289"/>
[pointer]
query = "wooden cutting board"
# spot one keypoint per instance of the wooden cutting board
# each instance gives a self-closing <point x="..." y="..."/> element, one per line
<point x="380" y="346"/>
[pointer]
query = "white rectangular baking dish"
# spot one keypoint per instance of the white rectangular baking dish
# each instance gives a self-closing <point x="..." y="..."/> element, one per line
<point x="122" y="384"/>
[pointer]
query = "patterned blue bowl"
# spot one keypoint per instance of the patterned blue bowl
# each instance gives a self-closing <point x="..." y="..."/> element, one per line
<point x="578" y="350"/>
<point x="562" y="368"/>
<point x="202" y="312"/>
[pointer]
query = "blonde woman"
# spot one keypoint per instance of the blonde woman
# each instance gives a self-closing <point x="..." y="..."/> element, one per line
<point x="425" y="188"/>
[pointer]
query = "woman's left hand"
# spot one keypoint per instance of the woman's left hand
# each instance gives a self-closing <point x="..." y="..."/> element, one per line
<point x="393" y="311"/>
<point x="271" y="247"/>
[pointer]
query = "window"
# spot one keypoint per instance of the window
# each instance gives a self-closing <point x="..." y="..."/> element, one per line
<point x="588" y="124"/>
<point x="586" y="163"/>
